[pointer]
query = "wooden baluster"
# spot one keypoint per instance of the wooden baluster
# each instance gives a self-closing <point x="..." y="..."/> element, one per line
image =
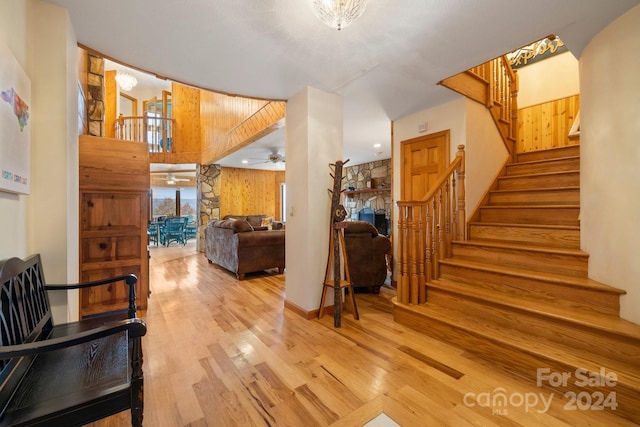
<point x="455" y="233"/>
<point x="427" y="239"/>
<point x="447" y="221"/>
<point x="413" y="259"/>
<point x="434" y="237"/>
<point x="404" y="253"/>
<point x="514" y="108"/>
<point x="421" y="255"/>
<point x="461" y="211"/>
<point x="441" y="224"/>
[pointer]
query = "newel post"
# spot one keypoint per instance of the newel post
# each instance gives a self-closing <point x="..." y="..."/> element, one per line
<point x="461" y="212"/>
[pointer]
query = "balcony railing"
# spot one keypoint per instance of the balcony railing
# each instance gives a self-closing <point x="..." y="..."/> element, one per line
<point x="157" y="132"/>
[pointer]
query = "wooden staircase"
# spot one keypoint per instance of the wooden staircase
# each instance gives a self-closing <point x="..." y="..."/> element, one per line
<point x="516" y="293"/>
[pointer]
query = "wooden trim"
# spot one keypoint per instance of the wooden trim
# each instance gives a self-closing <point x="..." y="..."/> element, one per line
<point x="134" y="108"/>
<point x="162" y="77"/>
<point x="301" y="311"/>
<point x="309" y="315"/>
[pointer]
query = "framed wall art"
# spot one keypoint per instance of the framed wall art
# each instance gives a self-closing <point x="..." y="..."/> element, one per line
<point x="15" y="125"/>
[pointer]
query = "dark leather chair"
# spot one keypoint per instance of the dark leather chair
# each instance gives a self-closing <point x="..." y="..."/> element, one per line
<point x="366" y="254"/>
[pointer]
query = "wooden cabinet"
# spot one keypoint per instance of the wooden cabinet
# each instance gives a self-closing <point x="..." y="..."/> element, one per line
<point x="114" y="213"/>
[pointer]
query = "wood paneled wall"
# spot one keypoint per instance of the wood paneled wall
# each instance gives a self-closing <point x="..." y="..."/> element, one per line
<point x="547" y="125"/>
<point x="114" y="213"/>
<point x="250" y="191"/>
<point x="110" y="103"/>
<point x="221" y="113"/>
<point x="186" y="112"/>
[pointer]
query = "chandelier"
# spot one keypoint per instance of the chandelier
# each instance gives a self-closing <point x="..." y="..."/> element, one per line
<point x="338" y="14"/>
<point x="125" y="80"/>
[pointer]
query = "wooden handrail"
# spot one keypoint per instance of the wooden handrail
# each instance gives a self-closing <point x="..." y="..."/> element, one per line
<point x="495" y="85"/>
<point x="155" y="131"/>
<point x="426" y="228"/>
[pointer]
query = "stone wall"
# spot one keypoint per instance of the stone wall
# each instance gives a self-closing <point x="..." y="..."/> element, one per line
<point x="208" y="184"/>
<point x="369" y="177"/>
<point x="95" y="95"/>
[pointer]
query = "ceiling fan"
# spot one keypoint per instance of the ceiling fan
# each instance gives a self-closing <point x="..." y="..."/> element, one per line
<point x="170" y="178"/>
<point x="273" y="157"/>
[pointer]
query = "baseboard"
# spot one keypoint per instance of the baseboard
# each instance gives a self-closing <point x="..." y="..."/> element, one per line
<point x="313" y="314"/>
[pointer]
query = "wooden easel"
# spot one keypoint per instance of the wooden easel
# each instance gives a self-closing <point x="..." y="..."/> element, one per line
<point x="337" y="253"/>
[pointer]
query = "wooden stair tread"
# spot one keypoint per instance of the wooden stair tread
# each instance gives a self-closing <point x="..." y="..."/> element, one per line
<point x="530" y="207"/>
<point x="629" y="375"/>
<point x="569" y="281"/>
<point x="511" y="224"/>
<point x="534" y="189"/>
<point x="538" y="174"/>
<point x="542" y="161"/>
<point x="521" y="246"/>
<point x="610" y="324"/>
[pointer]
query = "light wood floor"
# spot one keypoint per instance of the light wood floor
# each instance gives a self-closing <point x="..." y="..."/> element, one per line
<point x="219" y="352"/>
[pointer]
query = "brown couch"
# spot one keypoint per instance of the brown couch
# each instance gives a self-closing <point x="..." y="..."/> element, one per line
<point x="366" y="255"/>
<point x="234" y="244"/>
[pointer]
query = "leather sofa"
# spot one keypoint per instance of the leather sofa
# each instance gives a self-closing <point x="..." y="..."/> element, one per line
<point x="235" y="245"/>
<point x="366" y="255"/>
<point x="256" y="221"/>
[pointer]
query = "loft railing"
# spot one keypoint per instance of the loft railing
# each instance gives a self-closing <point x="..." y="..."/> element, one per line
<point x="157" y="132"/>
<point x="426" y="229"/>
<point x="494" y="84"/>
<point x="502" y="97"/>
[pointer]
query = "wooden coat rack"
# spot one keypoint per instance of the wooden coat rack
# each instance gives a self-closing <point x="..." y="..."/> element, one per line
<point x="337" y="253"/>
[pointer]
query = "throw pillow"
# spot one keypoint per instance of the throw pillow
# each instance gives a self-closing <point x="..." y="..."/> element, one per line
<point x="266" y="222"/>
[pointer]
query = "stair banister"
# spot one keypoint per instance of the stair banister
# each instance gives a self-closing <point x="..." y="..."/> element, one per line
<point x="426" y="228"/>
<point x="155" y="131"/>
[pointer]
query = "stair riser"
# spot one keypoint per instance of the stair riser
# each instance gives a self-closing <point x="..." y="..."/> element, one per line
<point x="569" y="164"/>
<point x="556" y="153"/>
<point x="557" y="238"/>
<point x="538" y="197"/>
<point x="531" y="215"/>
<point x="554" y="293"/>
<point x="506" y="358"/>
<point x="563" y="264"/>
<point x="566" y="179"/>
<point x="584" y="338"/>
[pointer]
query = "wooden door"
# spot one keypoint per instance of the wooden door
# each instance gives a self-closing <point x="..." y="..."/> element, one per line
<point x="114" y="214"/>
<point x="423" y="160"/>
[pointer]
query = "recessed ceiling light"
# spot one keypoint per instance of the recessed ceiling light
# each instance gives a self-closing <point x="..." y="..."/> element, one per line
<point x="244" y="162"/>
<point x="378" y="145"/>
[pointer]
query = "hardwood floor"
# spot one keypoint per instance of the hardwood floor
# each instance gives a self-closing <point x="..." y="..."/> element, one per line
<point x="219" y="352"/>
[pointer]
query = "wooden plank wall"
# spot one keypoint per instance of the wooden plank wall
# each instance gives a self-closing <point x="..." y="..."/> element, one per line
<point x="114" y="212"/>
<point x="250" y="191"/>
<point x="220" y="113"/>
<point x="110" y="102"/>
<point x="547" y="125"/>
<point x="186" y="112"/>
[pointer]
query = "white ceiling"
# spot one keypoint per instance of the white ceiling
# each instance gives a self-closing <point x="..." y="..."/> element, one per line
<point x="385" y="66"/>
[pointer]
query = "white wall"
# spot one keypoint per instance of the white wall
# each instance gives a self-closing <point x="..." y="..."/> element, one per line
<point x="610" y="158"/>
<point x="313" y="140"/>
<point x="14" y="33"/>
<point x="486" y="154"/>
<point x="547" y="80"/>
<point x="46" y="221"/>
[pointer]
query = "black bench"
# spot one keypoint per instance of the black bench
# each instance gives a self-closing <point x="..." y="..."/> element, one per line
<point x="69" y="374"/>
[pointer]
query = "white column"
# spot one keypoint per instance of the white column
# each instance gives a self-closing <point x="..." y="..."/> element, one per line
<point x="313" y="141"/>
<point x="53" y="206"/>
